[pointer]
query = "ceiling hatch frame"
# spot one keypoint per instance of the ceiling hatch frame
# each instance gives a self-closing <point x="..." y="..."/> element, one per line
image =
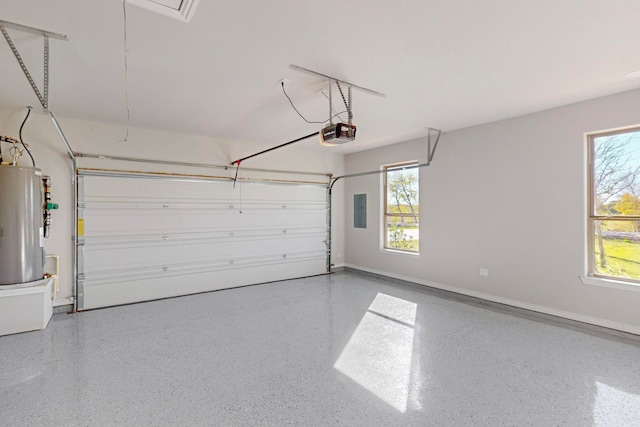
<point x="184" y="12"/>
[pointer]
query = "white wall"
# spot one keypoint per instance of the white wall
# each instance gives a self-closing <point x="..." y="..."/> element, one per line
<point x="103" y="138"/>
<point x="508" y="196"/>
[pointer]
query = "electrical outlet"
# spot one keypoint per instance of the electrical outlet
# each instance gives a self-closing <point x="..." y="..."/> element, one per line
<point x="484" y="272"/>
<point x="283" y="81"/>
<point x="339" y="255"/>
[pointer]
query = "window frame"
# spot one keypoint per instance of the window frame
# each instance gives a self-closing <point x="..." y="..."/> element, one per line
<point x="412" y="164"/>
<point x="592" y="211"/>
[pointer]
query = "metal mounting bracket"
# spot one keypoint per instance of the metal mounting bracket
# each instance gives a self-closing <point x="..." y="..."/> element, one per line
<point x="432" y="144"/>
<point x="43" y="96"/>
<point x="333" y="79"/>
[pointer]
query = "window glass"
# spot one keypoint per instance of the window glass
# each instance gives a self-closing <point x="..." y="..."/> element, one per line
<point x="614" y="220"/>
<point x="402" y="207"/>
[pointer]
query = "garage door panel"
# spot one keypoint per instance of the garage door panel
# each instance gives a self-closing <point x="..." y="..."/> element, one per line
<point x="149" y="238"/>
<point x="242" y="265"/>
<point x="136" y="290"/>
<point x="171" y="221"/>
<point x="140" y="189"/>
<point x="101" y="257"/>
<point x="196" y="235"/>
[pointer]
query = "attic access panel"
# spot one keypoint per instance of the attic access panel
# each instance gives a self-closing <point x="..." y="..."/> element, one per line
<point x="182" y="10"/>
<point x="173" y="4"/>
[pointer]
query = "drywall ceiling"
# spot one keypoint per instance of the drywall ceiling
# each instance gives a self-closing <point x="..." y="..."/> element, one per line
<point x="443" y="63"/>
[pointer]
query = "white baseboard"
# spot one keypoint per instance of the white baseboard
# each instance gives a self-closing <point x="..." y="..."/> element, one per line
<point x="514" y="303"/>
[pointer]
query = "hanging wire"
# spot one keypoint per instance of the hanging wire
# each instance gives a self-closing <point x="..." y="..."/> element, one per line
<point x="236" y="177"/>
<point x="240" y="191"/>
<point x="14" y="147"/>
<point x="294" y="107"/>
<point x="33" y="162"/>
<point x="234" y="184"/>
<point x="303" y="118"/>
<point x="126" y="70"/>
<point x="15" y="152"/>
<point x="334" y="107"/>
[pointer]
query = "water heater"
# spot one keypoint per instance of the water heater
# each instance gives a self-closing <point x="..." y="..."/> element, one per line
<point x="22" y="224"/>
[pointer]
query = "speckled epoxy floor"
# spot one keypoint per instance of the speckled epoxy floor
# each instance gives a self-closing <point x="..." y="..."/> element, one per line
<point x="345" y="349"/>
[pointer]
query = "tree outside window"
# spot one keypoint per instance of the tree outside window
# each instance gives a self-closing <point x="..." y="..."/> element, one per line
<point x="614" y="205"/>
<point x="401" y="207"/>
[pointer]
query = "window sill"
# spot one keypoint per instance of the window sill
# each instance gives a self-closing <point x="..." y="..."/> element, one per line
<point x="610" y="283"/>
<point x="394" y="252"/>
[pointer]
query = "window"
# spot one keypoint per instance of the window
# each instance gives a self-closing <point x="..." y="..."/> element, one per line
<point x="401" y="207"/>
<point x="614" y="205"/>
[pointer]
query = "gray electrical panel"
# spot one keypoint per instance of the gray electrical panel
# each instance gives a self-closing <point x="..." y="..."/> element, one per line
<point x="360" y="210"/>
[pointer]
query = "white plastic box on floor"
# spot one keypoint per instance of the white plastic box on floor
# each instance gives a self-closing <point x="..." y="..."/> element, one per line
<point x="25" y="307"/>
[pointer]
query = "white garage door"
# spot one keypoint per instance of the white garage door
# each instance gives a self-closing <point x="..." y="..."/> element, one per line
<point x="147" y="236"/>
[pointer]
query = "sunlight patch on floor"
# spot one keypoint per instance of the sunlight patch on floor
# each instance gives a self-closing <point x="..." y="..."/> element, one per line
<point x="615" y="407"/>
<point x="378" y="355"/>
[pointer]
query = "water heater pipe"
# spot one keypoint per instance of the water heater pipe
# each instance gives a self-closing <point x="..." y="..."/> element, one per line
<point x="74" y="206"/>
<point x="56" y="258"/>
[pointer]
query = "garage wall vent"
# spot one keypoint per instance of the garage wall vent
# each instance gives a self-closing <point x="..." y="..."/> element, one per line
<point x="182" y="10"/>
